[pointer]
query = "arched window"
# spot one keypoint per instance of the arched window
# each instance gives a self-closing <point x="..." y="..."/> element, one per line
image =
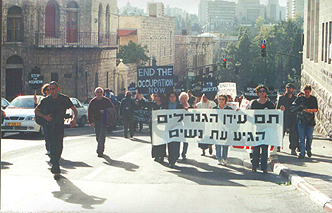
<point x="52" y="19"/>
<point x="72" y="25"/>
<point x="15" y="24"/>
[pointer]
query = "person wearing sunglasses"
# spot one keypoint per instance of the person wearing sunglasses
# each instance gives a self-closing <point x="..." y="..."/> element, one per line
<point x="290" y="123"/>
<point x="261" y="103"/>
<point x="97" y="115"/>
<point x="306" y="120"/>
<point x="55" y="106"/>
<point x="222" y="156"/>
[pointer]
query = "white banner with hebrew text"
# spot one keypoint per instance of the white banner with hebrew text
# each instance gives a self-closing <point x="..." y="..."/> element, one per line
<point x="216" y="126"/>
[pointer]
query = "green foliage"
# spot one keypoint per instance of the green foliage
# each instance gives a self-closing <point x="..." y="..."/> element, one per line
<point x="133" y="53"/>
<point x="284" y="37"/>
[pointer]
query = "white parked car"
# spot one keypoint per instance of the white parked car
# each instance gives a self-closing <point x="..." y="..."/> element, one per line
<point x="82" y="117"/>
<point x="20" y="115"/>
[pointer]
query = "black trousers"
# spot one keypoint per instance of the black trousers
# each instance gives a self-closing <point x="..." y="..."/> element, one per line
<point x="128" y="122"/>
<point x="55" y="138"/>
<point x="173" y="152"/>
<point x="293" y="136"/>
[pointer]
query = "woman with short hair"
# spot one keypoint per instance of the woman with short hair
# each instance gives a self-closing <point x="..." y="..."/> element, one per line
<point x="261" y="103"/>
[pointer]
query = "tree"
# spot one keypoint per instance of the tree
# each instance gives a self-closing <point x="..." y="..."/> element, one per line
<point x="133" y="53"/>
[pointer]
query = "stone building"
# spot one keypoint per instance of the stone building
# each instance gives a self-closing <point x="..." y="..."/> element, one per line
<point x="156" y="33"/>
<point x="317" y="55"/>
<point x="193" y="56"/>
<point x="72" y="42"/>
<point x="247" y="11"/>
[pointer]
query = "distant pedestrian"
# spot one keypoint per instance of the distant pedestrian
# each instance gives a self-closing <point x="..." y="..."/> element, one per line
<point x="306" y="120"/>
<point x="122" y="95"/>
<point x="192" y="98"/>
<point x="55" y="106"/>
<point x="222" y="156"/>
<point x="97" y="114"/>
<point x="205" y="103"/>
<point x="261" y="103"/>
<point x="290" y="122"/>
<point x="127" y="108"/>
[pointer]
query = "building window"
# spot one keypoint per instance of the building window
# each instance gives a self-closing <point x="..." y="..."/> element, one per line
<point x="54" y="76"/>
<point x="15" y="24"/>
<point x="72" y="25"/>
<point x="52" y="19"/>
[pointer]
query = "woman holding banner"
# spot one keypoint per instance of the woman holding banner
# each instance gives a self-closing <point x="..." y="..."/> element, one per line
<point x="205" y="103"/>
<point x="158" y="152"/>
<point x="183" y="98"/>
<point x="261" y="103"/>
<point x="173" y="146"/>
<point x="222" y="100"/>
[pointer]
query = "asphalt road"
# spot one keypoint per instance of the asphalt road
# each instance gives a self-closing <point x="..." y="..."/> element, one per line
<point x="128" y="180"/>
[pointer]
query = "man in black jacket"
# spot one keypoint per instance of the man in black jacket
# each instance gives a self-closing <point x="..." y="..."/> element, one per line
<point x="127" y="114"/>
<point x="284" y="103"/>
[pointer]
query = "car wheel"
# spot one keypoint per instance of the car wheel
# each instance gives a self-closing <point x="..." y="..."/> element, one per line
<point x="82" y="121"/>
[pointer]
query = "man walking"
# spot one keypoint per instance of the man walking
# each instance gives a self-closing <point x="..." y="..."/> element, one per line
<point x="290" y="126"/>
<point x="97" y="114"/>
<point x="306" y="120"/>
<point x="127" y="114"/>
<point x="55" y="107"/>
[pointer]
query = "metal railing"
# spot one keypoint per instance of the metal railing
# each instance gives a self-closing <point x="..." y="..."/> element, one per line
<point x="79" y="39"/>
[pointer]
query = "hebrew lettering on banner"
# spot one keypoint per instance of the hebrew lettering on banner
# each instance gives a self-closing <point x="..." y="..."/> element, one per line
<point x="215" y="126"/>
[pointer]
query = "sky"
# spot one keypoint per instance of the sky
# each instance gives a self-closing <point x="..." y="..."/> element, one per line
<point x="191" y="6"/>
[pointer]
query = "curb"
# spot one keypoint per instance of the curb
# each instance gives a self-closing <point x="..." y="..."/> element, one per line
<point x="316" y="196"/>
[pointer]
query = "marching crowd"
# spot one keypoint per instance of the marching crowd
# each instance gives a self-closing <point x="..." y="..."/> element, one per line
<point x="299" y="120"/>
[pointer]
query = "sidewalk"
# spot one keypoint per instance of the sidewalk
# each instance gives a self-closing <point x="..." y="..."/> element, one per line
<point x="312" y="175"/>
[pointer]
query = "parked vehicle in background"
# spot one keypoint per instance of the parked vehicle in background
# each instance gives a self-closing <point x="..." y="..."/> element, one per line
<point x="4" y="103"/>
<point x="87" y="101"/>
<point x="20" y="115"/>
<point x="3" y="115"/>
<point x="82" y="110"/>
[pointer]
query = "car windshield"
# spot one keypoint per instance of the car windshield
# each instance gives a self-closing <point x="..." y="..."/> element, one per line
<point x="22" y="103"/>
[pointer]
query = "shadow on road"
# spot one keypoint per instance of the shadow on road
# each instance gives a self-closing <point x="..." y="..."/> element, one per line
<point x="5" y="165"/>
<point x="125" y="165"/>
<point x="72" y="194"/>
<point x="220" y="175"/>
<point x="72" y="164"/>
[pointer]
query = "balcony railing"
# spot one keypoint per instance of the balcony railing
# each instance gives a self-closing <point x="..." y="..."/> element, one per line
<point x="79" y="39"/>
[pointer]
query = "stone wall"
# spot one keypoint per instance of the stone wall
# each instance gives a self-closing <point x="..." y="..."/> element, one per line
<point x="157" y="33"/>
<point x="192" y="54"/>
<point x="317" y="67"/>
<point x="79" y="70"/>
<point x="324" y="99"/>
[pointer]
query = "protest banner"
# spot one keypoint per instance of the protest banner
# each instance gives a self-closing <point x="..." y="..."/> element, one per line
<point x="142" y="115"/>
<point x="223" y="127"/>
<point x="228" y="88"/>
<point x="244" y="104"/>
<point x="155" y="79"/>
<point x="233" y="105"/>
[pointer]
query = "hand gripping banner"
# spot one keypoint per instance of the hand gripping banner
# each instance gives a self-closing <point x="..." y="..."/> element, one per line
<point x="216" y="126"/>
